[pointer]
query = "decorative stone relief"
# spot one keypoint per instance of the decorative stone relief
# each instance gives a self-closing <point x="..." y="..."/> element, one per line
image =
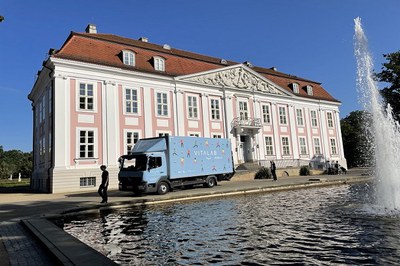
<point x="236" y="78"/>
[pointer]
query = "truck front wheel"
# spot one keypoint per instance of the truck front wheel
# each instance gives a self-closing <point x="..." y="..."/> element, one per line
<point x="210" y="182"/>
<point x="162" y="188"/>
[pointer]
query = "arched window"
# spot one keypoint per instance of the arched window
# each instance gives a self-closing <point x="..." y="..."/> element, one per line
<point x="159" y="63"/>
<point x="128" y="57"/>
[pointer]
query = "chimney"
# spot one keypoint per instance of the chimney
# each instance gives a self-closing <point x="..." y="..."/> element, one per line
<point x="91" y="28"/>
<point x="143" y="39"/>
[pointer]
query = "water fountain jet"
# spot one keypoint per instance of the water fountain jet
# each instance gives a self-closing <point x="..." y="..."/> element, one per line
<point x="383" y="129"/>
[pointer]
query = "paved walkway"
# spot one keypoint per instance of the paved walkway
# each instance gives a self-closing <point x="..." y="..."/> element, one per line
<point x="19" y="247"/>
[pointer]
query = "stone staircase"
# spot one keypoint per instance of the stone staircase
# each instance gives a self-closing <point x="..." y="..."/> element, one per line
<point x="247" y="167"/>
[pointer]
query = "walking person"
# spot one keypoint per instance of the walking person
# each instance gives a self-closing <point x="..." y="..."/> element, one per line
<point x="104" y="184"/>
<point x="273" y="170"/>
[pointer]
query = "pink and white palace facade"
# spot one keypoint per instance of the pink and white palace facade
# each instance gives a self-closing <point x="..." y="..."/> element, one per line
<point x="99" y="93"/>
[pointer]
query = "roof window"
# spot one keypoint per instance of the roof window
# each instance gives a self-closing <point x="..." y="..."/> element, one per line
<point x="295" y="87"/>
<point x="128" y="57"/>
<point x="159" y="63"/>
<point x="309" y="90"/>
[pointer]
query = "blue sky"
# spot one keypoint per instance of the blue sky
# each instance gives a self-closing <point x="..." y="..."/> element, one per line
<point x="312" y="39"/>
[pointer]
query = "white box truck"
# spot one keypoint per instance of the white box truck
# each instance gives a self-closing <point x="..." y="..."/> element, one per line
<point x="163" y="163"/>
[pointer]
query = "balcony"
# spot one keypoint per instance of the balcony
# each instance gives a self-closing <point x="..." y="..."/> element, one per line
<point x="249" y="123"/>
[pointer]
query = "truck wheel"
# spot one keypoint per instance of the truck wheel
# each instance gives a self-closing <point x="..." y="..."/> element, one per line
<point x="137" y="191"/>
<point x="163" y="188"/>
<point x="210" y="182"/>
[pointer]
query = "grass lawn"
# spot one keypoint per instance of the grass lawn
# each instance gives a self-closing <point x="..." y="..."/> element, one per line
<point x="11" y="186"/>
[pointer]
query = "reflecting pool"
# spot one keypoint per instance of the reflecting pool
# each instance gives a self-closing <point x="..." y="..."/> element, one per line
<point x="323" y="226"/>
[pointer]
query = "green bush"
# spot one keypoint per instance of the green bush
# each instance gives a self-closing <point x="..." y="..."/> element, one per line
<point x="304" y="170"/>
<point x="263" y="173"/>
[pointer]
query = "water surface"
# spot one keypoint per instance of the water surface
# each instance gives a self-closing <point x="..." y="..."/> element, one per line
<point x="324" y="226"/>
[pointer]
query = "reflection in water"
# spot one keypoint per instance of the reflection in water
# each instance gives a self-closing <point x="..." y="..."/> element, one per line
<point x="315" y="226"/>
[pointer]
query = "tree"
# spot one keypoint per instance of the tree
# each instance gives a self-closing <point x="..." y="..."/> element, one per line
<point x="356" y="139"/>
<point x="15" y="162"/>
<point x="391" y="74"/>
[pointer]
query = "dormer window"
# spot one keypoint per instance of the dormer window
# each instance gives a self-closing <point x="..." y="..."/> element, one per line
<point x="295" y="87"/>
<point x="310" y="90"/>
<point x="128" y="57"/>
<point x="159" y="63"/>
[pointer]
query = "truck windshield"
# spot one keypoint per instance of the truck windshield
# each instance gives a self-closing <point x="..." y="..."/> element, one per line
<point x="134" y="163"/>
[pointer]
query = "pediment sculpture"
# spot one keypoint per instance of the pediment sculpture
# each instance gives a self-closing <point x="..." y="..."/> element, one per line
<point x="237" y="77"/>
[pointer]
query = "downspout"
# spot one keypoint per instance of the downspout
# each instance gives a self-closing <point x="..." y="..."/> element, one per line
<point x="176" y="110"/>
<point x="33" y="141"/>
<point x="104" y="103"/>
<point x="322" y="130"/>
<point x="225" y="113"/>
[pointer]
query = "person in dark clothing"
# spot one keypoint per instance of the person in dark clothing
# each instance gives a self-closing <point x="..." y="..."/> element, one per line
<point x="273" y="170"/>
<point x="104" y="184"/>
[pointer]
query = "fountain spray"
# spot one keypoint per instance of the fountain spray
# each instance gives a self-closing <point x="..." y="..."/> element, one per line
<point x="383" y="129"/>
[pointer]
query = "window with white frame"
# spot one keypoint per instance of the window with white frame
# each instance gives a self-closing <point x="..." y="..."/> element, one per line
<point x="87" y="181"/>
<point x="269" y="148"/>
<point x="243" y="111"/>
<point x="194" y="135"/>
<point x="282" y="115"/>
<point x="266" y="114"/>
<point x="86" y="97"/>
<point x="285" y="146"/>
<point x="309" y="90"/>
<point x="296" y="88"/>
<point x="330" y="119"/>
<point x="86" y="144"/>
<point x="159" y="63"/>
<point x="192" y="106"/>
<point x="129" y="58"/>
<point x="163" y="134"/>
<point x="317" y="146"/>
<point x="299" y="115"/>
<point x="333" y="146"/>
<point x="215" y="109"/>
<point x="162" y="104"/>
<point x="303" y="146"/>
<point x="130" y="139"/>
<point x="216" y="136"/>
<point x="131" y="101"/>
<point x="314" y="121"/>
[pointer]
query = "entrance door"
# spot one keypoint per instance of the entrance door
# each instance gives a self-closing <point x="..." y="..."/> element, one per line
<point x="246" y="148"/>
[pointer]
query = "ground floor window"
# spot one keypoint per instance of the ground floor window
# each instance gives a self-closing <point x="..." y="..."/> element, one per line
<point x="269" y="148"/>
<point x="131" y="139"/>
<point x="86" y="144"/>
<point x="88" y="181"/>
<point x="303" y="146"/>
<point x="285" y="146"/>
<point x="317" y="146"/>
<point x="333" y="146"/>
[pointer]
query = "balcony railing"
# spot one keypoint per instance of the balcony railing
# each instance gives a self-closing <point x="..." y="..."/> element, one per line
<point x="249" y="122"/>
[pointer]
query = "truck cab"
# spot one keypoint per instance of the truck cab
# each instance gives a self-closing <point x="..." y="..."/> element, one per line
<point x="141" y="172"/>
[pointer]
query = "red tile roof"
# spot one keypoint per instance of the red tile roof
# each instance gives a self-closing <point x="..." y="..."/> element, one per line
<point x="106" y="49"/>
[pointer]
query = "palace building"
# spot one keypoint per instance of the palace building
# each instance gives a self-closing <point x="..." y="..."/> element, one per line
<point x="99" y="93"/>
